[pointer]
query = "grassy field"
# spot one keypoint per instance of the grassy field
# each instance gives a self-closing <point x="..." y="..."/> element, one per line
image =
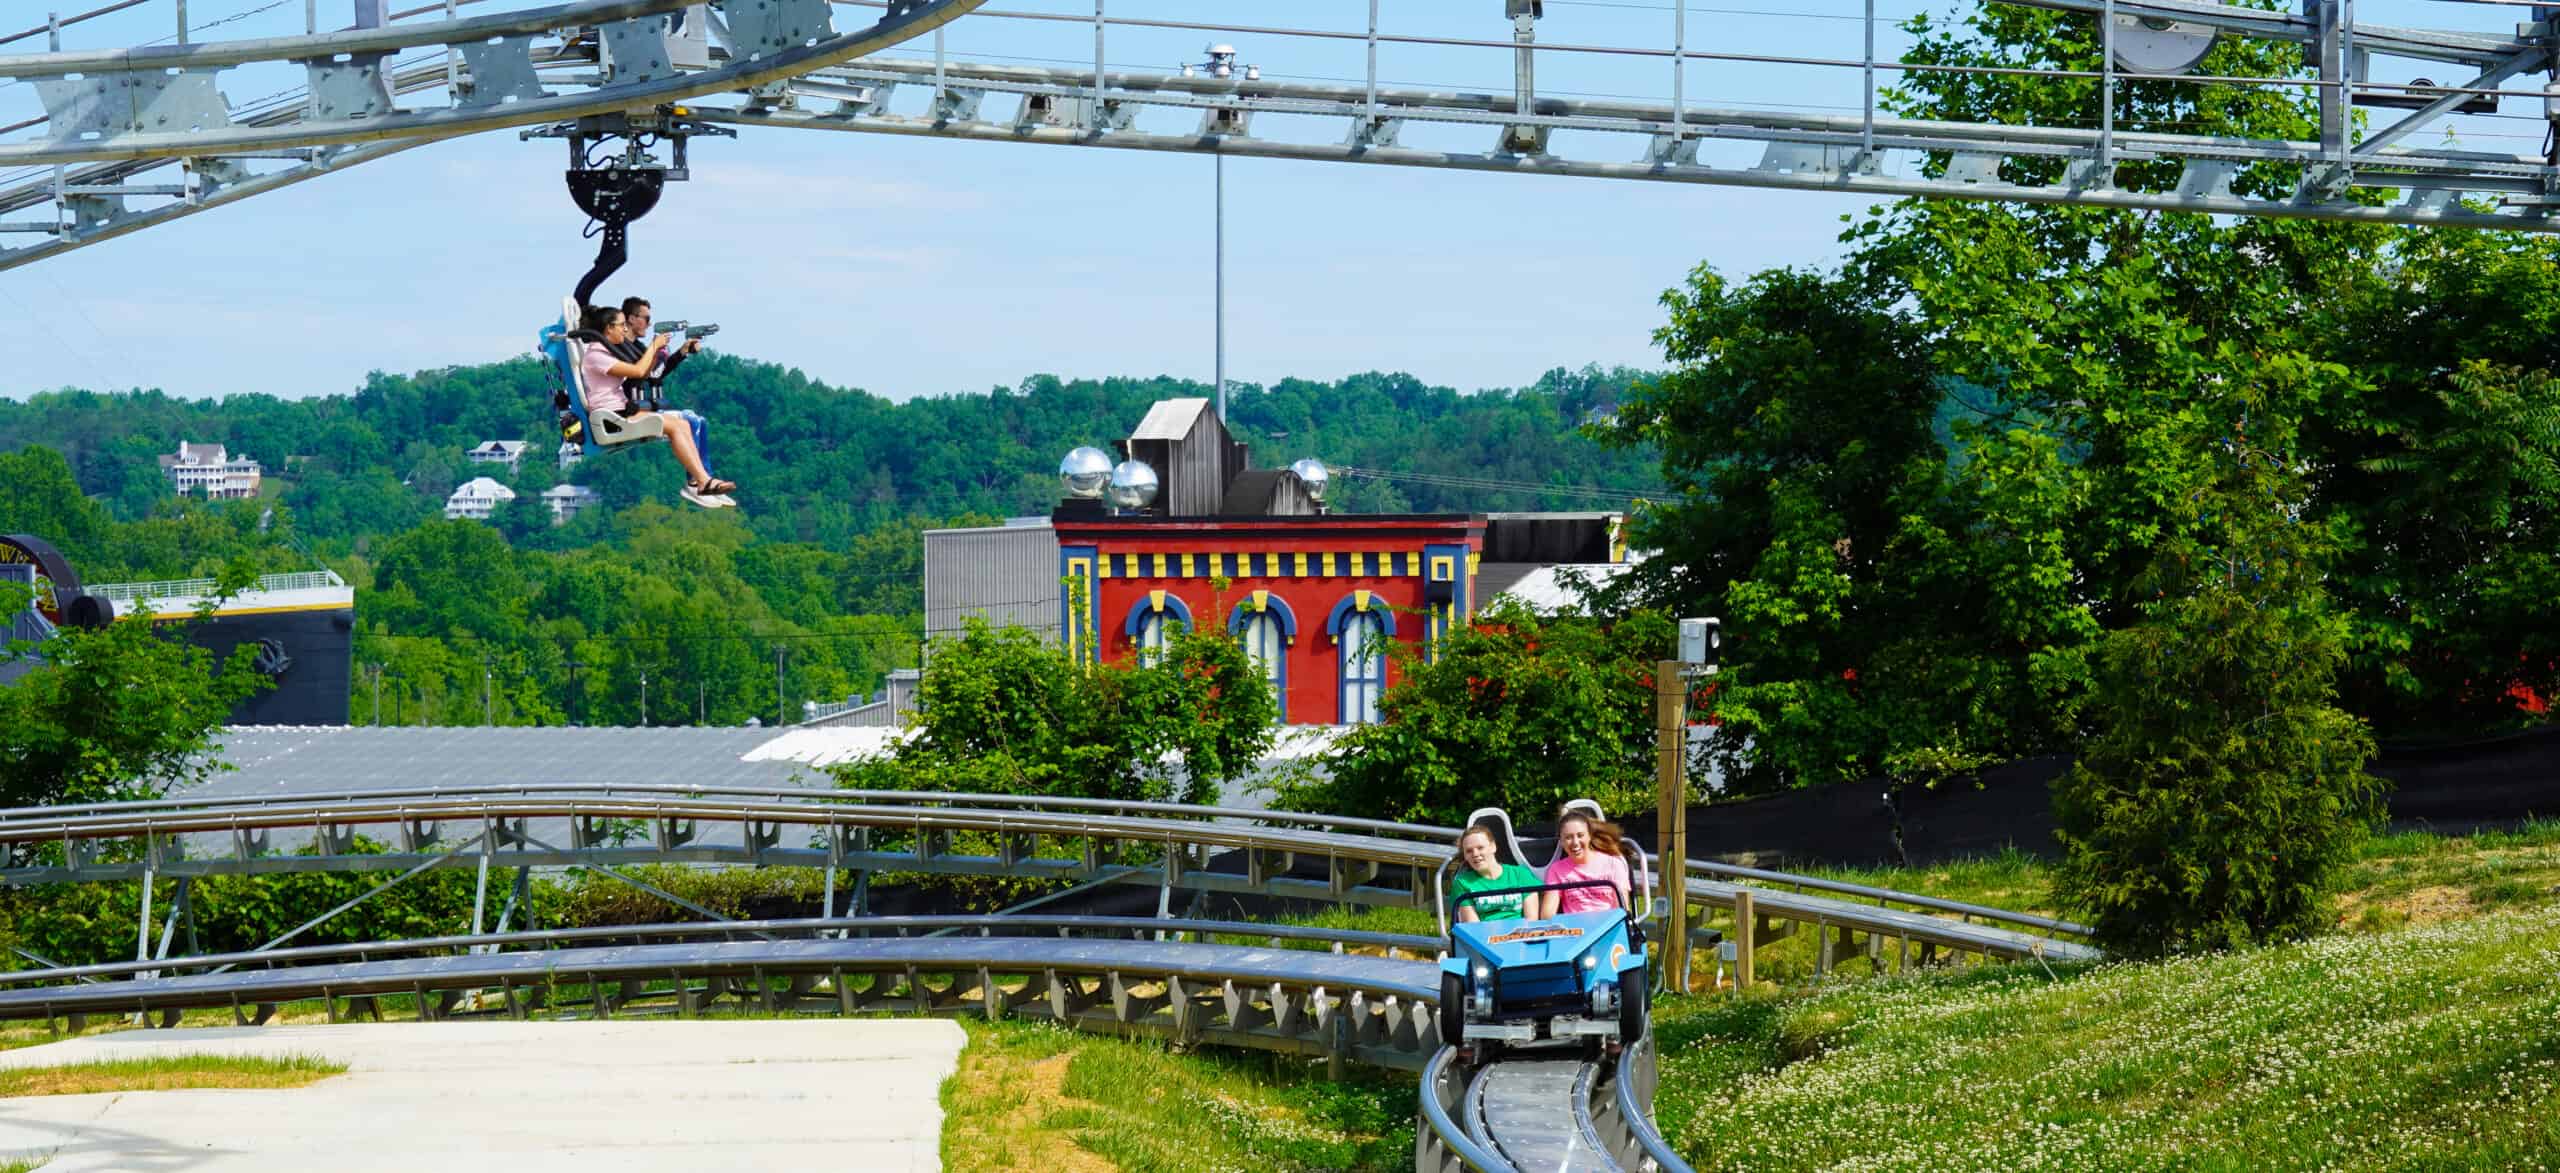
<point x="166" y="1073"/>
<point x="2435" y="1047"/>
<point x="2423" y="1034"/>
<point x="1038" y="1098"/>
<point x="2413" y="877"/>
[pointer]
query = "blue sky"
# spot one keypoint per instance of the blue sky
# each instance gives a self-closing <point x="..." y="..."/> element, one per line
<point x="921" y="267"/>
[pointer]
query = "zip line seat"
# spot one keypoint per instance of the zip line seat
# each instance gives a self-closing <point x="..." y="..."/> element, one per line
<point x="597" y="431"/>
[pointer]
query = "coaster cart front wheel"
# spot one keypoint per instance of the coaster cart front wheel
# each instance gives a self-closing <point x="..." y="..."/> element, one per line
<point x="1453" y="1010"/>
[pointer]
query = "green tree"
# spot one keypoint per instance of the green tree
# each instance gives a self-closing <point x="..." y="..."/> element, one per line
<point x="2224" y="790"/>
<point x="1517" y="711"/>
<point x="39" y="496"/>
<point x="123" y="711"/>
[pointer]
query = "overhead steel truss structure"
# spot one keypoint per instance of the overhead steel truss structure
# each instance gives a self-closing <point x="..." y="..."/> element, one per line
<point x="137" y="109"/>
<point x="111" y="116"/>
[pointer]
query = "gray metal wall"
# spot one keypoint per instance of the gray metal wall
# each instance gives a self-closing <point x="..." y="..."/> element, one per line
<point x="1009" y="574"/>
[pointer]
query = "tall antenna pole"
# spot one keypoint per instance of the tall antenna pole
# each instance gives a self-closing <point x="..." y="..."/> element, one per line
<point x="778" y="650"/>
<point x="1221" y="160"/>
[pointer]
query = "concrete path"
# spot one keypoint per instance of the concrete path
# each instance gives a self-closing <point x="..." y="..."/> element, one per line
<point x="514" y="1097"/>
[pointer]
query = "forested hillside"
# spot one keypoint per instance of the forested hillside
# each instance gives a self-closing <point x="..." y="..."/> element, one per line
<point x="817" y="463"/>
<point x="528" y="623"/>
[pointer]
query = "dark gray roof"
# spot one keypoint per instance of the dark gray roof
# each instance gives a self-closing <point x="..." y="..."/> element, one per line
<point x="277" y="760"/>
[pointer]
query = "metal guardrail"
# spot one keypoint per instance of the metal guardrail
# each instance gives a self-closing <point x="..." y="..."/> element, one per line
<point x="1887" y="895"/>
<point x="1842" y="922"/>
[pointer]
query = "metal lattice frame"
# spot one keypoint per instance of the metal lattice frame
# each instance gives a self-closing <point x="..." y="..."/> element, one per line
<point x="502" y="71"/>
<point x="144" y="108"/>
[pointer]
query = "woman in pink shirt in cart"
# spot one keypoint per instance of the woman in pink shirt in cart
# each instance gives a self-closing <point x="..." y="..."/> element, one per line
<point x="1586" y="849"/>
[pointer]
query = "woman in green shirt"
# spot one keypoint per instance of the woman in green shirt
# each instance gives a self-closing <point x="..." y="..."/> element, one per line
<point x="1484" y="871"/>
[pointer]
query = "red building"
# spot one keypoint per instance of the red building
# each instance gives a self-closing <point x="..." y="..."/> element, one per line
<point x="1192" y="535"/>
<point x="1314" y="598"/>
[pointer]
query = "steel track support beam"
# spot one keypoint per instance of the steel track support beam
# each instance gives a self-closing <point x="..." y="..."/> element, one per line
<point x="480" y="885"/>
<point x="377" y="890"/>
<point x="2489" y="78"/>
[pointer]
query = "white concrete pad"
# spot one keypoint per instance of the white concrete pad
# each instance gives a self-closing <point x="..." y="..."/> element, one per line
<point x="504" y="1097"/>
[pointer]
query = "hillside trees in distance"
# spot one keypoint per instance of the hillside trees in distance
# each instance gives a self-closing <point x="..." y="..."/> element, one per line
<point x="816" y="463"/>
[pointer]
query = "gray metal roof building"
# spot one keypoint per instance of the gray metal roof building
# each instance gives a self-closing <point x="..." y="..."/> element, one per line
<point x="284" y="759"/>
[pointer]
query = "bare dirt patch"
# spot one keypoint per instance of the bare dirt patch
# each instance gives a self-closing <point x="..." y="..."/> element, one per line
<point x="2433" y="904"/>
<point x="997" y="1107"/>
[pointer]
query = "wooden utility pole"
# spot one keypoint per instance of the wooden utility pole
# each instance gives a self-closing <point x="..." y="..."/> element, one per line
<point x="1744" y="938"/>
<point x="1671" y="755"/>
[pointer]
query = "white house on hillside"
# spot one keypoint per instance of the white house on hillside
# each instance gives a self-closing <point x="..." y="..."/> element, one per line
<point x="506" y="452"/>
<point x="567" y="501"/>
<point x="209" y="468"/>
<point x="476" y="499"/>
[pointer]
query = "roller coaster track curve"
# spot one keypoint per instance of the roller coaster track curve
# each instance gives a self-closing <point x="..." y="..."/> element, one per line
<point x="1350" y="1008"/>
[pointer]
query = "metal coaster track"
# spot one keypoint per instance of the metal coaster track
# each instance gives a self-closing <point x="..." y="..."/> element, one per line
<point x="1120" y="974"/>
<point x="1171" y="847"/>
<point x="1117" y="975"/>
<point x="1547" y="1115"/>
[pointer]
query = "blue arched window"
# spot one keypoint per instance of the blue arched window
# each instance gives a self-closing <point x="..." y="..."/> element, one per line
<point x="1360" y="626"/>
<point x="1363" y="651"/>
<point x="1151" y="624"/>
<point x="1266" y="627"/>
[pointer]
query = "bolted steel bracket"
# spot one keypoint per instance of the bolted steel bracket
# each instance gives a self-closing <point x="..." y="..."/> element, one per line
<point x="1373" y="132"/>
<point x="355" y="88"/>
<point x="499" y="72"/>
<point x="117" y="103"/>
<point x="761" y="28"/>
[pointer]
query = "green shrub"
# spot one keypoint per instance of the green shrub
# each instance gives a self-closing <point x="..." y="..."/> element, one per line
<point x="2224" y="793"/>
